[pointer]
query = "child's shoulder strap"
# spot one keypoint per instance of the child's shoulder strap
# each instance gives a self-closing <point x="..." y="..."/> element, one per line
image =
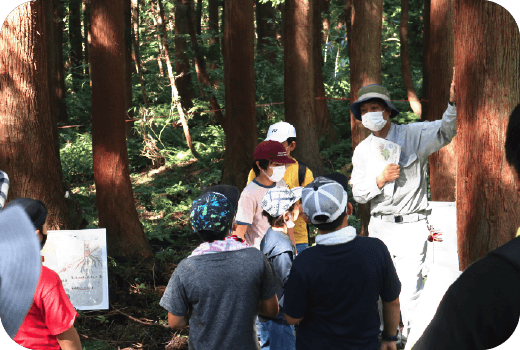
<point x="302" y="169"/>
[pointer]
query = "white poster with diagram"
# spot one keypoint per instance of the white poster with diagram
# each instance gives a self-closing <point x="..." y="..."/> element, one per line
<point x="79" y="257"/>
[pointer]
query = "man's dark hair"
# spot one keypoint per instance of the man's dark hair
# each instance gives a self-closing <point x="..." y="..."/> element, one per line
<point x="278" y="221"/>
<point x="209" y="236"/>
<point x="290" y="140"/>
<point x="330" y="226"/>
<point x="512" y="144"/>
<point x="264" y="163"/>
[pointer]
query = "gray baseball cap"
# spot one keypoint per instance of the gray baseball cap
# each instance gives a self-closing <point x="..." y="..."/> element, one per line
<point x="325" y="197"/>
<point x="278" y="200"/>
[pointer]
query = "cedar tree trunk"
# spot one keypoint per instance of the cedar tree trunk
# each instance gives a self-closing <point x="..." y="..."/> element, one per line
<point x="443" y="163"/>
<point x="239" y="79"/>
<point x="265" y="30"/>
<point x="137" y="54"/>
<point x="27" y="146"/>
<point x="487" y="56"/>
<point x="365" y="68"/>
<point x="299" y="95"/>
<point x="114" y="195"/>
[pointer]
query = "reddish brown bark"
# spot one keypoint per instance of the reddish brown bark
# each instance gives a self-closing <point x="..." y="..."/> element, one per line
<point x="239" y="79"/>
<point x="405" y="60"/>
<point x="54" y="27"/>
<point x="324" y="127"/>
<point x="114" y="195"/>
<point x="182" y="63"/>
<point x="487" y="52"/>
<point x="365" y="68"/>
<point x="75" y="40"/>
<point x="265" y="30"/>
<point x="299" y="81"/>
<point x="439" y="66"/>
<point x="27" y="152"/>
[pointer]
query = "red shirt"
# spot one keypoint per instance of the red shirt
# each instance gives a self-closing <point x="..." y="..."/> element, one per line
<point x="51" y="314"/>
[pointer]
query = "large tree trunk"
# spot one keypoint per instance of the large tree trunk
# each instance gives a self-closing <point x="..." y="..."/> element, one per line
<point x="75" y="39"/>
<point x="114" y="195"/>
<point x="239" y="79"/>
<point x="27" y="146"/>
<point x="265" y="30"/>
<point x="324" y="127"/>
<point x="365" y="68"/>
<point x="299" y="96"/>
<point x="405" y="59"/>
<point x="198" y="17"/>
<point x="487" y="55"/>
<point x="182" y="63"/>
<point x="439" y="60"/>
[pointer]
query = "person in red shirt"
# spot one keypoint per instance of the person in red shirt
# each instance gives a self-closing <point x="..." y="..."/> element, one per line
<point x="49" y="323"/>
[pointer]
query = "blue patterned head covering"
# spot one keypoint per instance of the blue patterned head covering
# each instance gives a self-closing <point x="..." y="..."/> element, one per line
<point x="212" y="211"/>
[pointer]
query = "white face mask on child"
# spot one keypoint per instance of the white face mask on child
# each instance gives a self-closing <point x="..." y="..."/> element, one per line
<point x="278" y="173"/>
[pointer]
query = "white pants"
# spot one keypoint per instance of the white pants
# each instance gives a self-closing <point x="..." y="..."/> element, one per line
<point x="407" y="245"/>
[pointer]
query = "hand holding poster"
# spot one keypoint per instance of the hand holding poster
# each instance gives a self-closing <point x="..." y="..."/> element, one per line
<point x="80" y="259"/>
<point x="382" y="153"/>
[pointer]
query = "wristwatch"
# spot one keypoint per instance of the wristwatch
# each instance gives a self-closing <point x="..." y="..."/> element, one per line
<point x="389" y="338"/>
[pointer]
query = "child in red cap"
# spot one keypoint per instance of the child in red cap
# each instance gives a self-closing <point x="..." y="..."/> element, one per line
<point x="269" y="167"/>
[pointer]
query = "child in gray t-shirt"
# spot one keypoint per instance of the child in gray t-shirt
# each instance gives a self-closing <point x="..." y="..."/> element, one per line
<point x="222" y="286"/>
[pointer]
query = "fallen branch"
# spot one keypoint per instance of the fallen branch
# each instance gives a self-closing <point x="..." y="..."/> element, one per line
<point x="139" y="321"/>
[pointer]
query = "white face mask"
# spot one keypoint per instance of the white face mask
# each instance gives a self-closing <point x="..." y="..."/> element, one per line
<point x="278" y="173"/>
<point x="373" y="121"/>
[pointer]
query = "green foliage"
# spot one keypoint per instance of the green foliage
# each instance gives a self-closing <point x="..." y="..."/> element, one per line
<point x="76" y="156"/>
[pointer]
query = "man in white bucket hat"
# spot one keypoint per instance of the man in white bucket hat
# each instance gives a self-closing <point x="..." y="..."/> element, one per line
<point x="398" y="217"/>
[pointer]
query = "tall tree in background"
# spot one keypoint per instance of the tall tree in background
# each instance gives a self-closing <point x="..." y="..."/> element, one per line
<point x="75" y="40"/>
<point x="364" y="27"/>
<point x="438" y="64"/>
<point x="239" y="79"/>
<point x="137" y="53"/>
<point x="54" y="28"/>
<point x="114" y="195"/>
<point x="299" y="94"/>
<point x="324" y="127"/>
<point x="325" y="9"/>
<point x="182" y="63"/>
<point x="405" y="59"/>
<point x="86" y="34"/>
<point x="213" y="27"/>
<point x="198" y="17"/>
<point x="265" y="30"/>
<point x="129" y="124"/>
<point x="487" y="55"/>
<point x="28" y="153"/>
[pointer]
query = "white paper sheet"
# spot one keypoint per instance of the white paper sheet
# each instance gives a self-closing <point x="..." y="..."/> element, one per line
<point x="80" y="259"/>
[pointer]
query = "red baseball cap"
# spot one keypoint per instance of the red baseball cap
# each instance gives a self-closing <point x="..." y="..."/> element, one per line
<point x="272" y="150"/>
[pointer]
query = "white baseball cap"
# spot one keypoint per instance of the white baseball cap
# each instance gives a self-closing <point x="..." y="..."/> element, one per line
<point x="280" y="132"/>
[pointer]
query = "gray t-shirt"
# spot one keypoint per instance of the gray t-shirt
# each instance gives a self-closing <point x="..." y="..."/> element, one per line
<point x="222" y="291"/>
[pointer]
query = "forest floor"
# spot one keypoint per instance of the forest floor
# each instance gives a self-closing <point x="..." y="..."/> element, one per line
<point x="135" y="320"/>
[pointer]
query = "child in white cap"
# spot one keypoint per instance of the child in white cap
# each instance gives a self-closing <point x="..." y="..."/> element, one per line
<point x="280" y="206"/>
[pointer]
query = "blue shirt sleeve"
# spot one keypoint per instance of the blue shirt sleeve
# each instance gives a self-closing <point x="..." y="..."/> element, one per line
<point x="175" y="299"/>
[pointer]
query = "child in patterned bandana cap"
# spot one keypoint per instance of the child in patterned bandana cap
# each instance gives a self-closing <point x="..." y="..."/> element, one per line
<point x="222" y="286"/>
<point x="280" y="206"/>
